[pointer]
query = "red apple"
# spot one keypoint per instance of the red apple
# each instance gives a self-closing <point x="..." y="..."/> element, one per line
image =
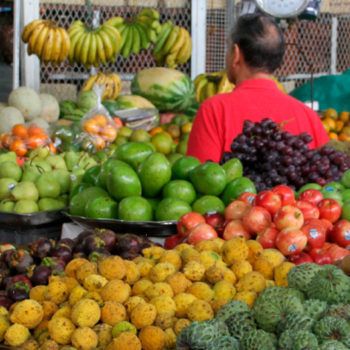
<point x="214" y="219"/>
<point x="256" y="219"/>
<point x="268" y="200"/>
<point x="301" y="258"/>
<point x="188" y="222"/>
<point x="320" y="256"/>
<point x="236" y="210"/>
<point x="328" y="246"/>
<point x="171" y="242"/>
<point x="200" y="233"/>
<point x="235" y="228"/>
<point x="267" y="238"/>
<point x="286" y="194"/>
<point x="330" y="209"/>
<point x="309" y="210"/>
<point x="338" y="253"/>
<point x="291" y="241"/>
<point x="321" y="222"/>
<point x="312" y="196"/>
<point x="340" y="233"/>
<point x="246" y="197"/>
<point x="316" y="236"/>
<point x="288" y="216"/>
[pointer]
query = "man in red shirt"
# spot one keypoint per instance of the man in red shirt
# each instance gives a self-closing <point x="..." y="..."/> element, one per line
<point x="256" y="49"/>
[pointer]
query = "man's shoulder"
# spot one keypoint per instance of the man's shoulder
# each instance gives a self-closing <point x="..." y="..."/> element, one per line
<point x="219" y="100"/>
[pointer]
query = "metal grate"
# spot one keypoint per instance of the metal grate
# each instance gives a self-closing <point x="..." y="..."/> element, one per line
<point x="65" y="12"/>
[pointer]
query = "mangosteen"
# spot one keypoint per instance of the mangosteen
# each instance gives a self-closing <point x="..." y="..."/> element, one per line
<point x="98" y="255"/>
<point x="91" y="243"/>
<point x="127" y="243"/>
<point x="69" y="242"/>
<point x="21" y="260"/>
<point x="41" y="248"/>
<point x="79" y="248"/>
<point x="82" y="236"/>
<point x="80" y="255"/>
<point x="5" y="276"/>
<point x="3" y="265"/>
<point x="108" y="237"/>
<point x="18" y="291"/>
<point x="144" y="246"/>
<point x="19" y="279"/>
<point x="63" y="252"/>
<point x="39" y="276"/>
<point x="5" y="302"/>
<point x="128" y="255"/>
<point x="6" y="256"/>
<point x="54" y="264"/>
<point x="143" y="239"/>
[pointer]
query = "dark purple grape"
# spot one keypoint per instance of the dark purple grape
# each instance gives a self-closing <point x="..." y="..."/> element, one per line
<point x="286" y="135"/>
<point x="256" y="129"/>
<point x="321" y="169"/>
<point x="291" y="141"/>
<point x="343" y="167"/>
<point x="235" y="147"/>
<point x="273" y="125"/>
<point x="321" y="181"/>
<point x="329" y="174"/>
<point x="296" y="161"/>
<point x="337" y="160"/>
<point x="287" y="161"/>
<point x="280" y="145"/>
<point x="284" y="171"/>
<point x="308" y="155"/>
<point x="303" y="160"/>
<point x="292" y="175"/>
<point x="266" y="167"/>
<point x="271" y="144"/>
<point x="277" y="137"/>
<point x="250" y="142"/>
<point x="248" y="123"/>
<point x="305" y="169"/>
<point x="337" y="178"/>
<point x="241" y="138"/>
<point x="287" y="150"/>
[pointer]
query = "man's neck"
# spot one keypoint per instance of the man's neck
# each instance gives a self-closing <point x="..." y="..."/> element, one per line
<point x="247" y="75"/>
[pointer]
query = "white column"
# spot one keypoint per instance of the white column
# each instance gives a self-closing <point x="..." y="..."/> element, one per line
<point x="334" y="45"/>
<point x="198" y="33"/>
<point x="16" y="44"/>
<point x="30" y="65"/>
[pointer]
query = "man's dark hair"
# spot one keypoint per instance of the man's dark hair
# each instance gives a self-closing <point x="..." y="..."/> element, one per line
<point x="261" y="41"/>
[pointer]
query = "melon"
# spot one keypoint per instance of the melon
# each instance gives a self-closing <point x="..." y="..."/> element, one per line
<point x="40" y="122"/>
<point x="134" y="101"/>
<point x="3" y="105"/>
<point x="87" y="100"/>
<point x="9" y="117"/>
<point x="50" y="109"/>
<point x="27" y="101"/>
<point x="168" y="89"/>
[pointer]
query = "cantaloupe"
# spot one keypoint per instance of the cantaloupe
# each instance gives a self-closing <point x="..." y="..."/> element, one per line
<point x="27" y="101"/>
<point x="132" y="101"/>
<point x="9" y="117"/>
<point x="50" y="109"/>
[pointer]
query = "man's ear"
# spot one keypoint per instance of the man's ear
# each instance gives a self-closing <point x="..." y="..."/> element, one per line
<point x="236" y="55"/>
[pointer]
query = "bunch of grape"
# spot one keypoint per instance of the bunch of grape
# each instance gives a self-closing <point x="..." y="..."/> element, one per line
<point x="271" y="156"/>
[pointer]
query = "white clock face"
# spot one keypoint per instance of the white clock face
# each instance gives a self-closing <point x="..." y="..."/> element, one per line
<point x="282" y="8"/>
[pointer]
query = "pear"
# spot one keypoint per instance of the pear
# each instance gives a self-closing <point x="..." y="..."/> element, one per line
<point x="56" y="162"/>
<point x="87" y="163"/>
<point x="72" y="158"/>
<point x="47" y="186"/>
<point x="76" y="178"/>
<point x="46" y="167"/>
<point x="7" y="206"/>
<point x="6" y="186"/>
<point x="25" y="190"/>
<point x="63" y="199"/>
<point x="41" y="152"/>
<point x="26" y="206"/>
<point x="10" y="156"/>
<point x="50" y="204"/>
<point x="10" y="170"/>
<point x="63" y="178"/>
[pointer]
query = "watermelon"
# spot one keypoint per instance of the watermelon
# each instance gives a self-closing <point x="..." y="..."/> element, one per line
<point x="75" y="115"/>
<point x="134" y="101"/>
<point x="66" y="107"/>
<point x="168" y="89"/>
<point x="111" y="106"/>
<point x="192" y="110"/>
<point x="87" y="100"/>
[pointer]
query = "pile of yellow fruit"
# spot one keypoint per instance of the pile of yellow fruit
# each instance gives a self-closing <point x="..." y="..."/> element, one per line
<point x="141" y="304"/>
<point x="337" y="126"/>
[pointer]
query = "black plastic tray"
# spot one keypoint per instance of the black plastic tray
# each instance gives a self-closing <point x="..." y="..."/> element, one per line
<point x="143" y="228"/>
<point x="35" y="219"/>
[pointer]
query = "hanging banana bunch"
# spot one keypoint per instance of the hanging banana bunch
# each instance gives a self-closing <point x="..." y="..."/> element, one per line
<point x="174" y="46"/>
<point x="48" y="41"/>
<point x="208" y="85"/>
<point x="93" y="47"/>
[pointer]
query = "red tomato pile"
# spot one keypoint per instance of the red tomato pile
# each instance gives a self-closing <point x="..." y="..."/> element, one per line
<point x="305" y="230"/>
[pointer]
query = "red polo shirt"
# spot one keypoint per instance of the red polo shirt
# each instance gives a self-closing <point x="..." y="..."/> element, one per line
<point x="220" y="119"/>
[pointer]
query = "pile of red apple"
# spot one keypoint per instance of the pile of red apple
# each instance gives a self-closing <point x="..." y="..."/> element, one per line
<point x="305" y="230"/>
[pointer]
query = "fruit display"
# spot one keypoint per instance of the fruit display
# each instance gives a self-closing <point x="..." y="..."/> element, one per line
<point x="337" y="126"/>
<point x="168" y="89"/>
<point x="271" y="156"/>
<point x="48" y="41"/>
<point x="112" y="83"/>
<point x="93" y="47"/>
<point x="174" y="46"/>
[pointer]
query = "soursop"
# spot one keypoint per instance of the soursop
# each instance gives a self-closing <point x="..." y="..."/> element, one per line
<point x="294" y="322"/>
<point x="239" y="324"/>
<point x="300" y="276"/>
<point x="315" y="309"/>
<point x="286" y="340"/>
<point x="231" y="308"/>
<point x="339" y="311"/>
<point x="269" y="313"/>
<point x="330" y="328"/>
<point x="330" y="285"/>
<point x="332" y="345"/>
<point x="297" y="293"/>
<point x="220" y="326"/>
<point x="297" y="340"/>
<point x="257" y="340"/>
<point x="224" y="343"/>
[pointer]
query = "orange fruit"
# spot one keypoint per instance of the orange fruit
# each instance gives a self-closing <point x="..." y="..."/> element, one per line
<point x="20" y="131"/>
<point x="51" y="148"/>
<point x="339" y="125"/>
<point x="100" y="119"/>
<point x="108" y="133"/>
<point x="166" y="133"/>
<point x="91" y="126"/>
<point x="342" y="136"/>
<point x="7" y="141"/>
<point x="186" y="128"/>
<point x="34" y="141"/>
<point x="118" y="122"/>
<point x="326" y="127"/>
<point x="330" y="122"/>
<point x="19" y="148"/>
<point x="177" y="140"/>
<point x="344" y="116"/>
<point x="156" y="130"/>
<point x="330" y="113"/>
<point x="99" y="142"/>
<point x="35" y="130"/>
<point x="333" y="136"/>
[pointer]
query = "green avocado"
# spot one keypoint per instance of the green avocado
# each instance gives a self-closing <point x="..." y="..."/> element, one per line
<point x="101" y="208"/>
<point x="171" y="209"/>
<point x="135" y="209"/>
<point x="182" y="168"/>
<point x="235" y="188"/>
<point x="207" y="204"/>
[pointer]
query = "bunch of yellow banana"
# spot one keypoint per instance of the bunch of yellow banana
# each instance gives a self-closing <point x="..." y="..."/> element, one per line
<point x="174" y="46"/>
<point x="112" y="83"/>
<point x="208" y="85"/>
<point x="95" y="47"/>
<point x="46" y="40"/>
<point x="138" y="33"/>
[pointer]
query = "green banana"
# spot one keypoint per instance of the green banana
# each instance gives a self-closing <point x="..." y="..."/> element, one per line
<point x="145" y="44"/>
<point x="112" y="39"/>
<point x="73" y="43"/>
<point x="136" y="41"/>
<point x="85" y="49"/>
<point x="114" y="22"/>
<point x="128" y="43"/>
<point x="150" y="13"/>
<point x="124" y="37"/>
<point x="171" y="40"/>
<point x="100" y="49"/>
<point x="78" y="48"/>
<point x="163" y="37"/>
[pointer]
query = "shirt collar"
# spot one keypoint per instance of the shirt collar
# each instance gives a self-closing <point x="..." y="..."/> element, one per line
<point x="257" y="84"/>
